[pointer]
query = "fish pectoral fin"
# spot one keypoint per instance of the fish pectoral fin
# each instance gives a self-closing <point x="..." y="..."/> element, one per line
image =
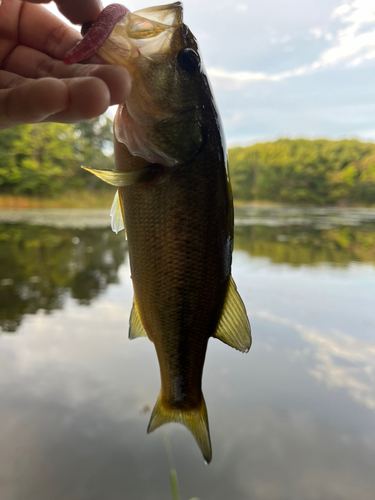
<point x="234" y="327"/>
<point x="195" y="420"/>
<point x="136" y="328"/>
<point x="121" y="179"/>
<point x="117" y="215"/>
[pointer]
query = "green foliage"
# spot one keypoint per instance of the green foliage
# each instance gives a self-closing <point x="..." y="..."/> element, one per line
<point x="8" y="167"/>
<point x="300" y="245"/>
<point x="96" y="144"/>
<point x="174" y="484"/>
<point x="304" y="171"/>
<point x="173" y="477"/>
<point x="41" y="266"/>
<point x="45" y="159"/>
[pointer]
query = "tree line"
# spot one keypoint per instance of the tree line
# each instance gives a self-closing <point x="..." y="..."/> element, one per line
<point x="44" y="159"/>
<point x="318" y="172"/>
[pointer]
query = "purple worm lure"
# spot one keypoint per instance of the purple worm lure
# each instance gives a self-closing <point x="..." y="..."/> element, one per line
<point x="97" y="34"/>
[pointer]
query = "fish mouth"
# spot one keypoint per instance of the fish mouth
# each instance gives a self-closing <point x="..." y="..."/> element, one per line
<point x="146" y="123"/>
<point x="142" y="33"/>
<point x="151" y="124"/>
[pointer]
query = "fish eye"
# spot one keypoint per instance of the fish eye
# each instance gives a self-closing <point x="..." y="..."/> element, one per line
<point x="188" y="60"/>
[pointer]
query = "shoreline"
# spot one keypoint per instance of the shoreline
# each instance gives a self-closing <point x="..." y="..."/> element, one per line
<point x="103" y="199"/>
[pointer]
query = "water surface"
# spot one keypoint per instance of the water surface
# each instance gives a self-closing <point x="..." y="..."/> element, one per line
<point x="293" y="419"/>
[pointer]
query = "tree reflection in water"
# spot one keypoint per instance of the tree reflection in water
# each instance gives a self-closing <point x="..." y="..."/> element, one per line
<point x="301" y="245"/>
<point x="40" y="267"/>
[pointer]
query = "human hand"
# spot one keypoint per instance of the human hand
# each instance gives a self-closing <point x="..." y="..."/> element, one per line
<point x="77" y="11"/>
<point x="35" y="85"/>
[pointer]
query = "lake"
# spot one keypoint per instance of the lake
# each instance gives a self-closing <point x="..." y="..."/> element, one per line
<point x="294" y="419"/>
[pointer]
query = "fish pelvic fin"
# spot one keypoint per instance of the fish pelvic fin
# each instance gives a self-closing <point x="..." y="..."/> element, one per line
<point x="234" y="328"/>
<point x="117" y="215"/>
<point x="196" y="420"/>
<point x="136" y="329"/>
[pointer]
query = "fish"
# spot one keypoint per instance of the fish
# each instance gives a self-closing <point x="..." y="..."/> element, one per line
<point x="175" y="201"/>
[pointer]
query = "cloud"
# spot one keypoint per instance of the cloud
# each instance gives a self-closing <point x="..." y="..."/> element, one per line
<point x="223" y="79"/>
<point x="281" y="40"/>
<point x="316" y="32"/>
<point x="342" y="10"/>
<point x="354" y="44"/>
<point x="241" y="7"/>
<point x="255" y="56"/>
<point x="341" y="361"/>
<point x="351" y="40"/>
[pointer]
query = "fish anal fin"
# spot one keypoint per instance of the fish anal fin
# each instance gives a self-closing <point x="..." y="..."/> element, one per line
<point x="117" y="214"/>
<point x="196" y="420"/>
<point x="136" y="328"/>
<point x="233" y="327"/>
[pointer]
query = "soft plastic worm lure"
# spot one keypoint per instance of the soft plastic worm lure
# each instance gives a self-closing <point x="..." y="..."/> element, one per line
<point x="97" y="34"/>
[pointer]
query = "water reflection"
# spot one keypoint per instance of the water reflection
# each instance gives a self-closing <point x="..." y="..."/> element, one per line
<point x="338" y="360"/>
<point x="41" y="266"/>
<point x="293" y="419"/>
<point x="307" y="236"/>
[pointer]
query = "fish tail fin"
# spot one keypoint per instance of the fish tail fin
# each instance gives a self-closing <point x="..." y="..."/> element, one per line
<point x="196" y="420"/>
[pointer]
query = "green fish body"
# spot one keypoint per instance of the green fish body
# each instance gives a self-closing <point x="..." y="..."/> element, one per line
<point x="174" y="197"/>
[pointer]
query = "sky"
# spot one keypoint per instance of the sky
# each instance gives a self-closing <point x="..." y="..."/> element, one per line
<point x="287" y="68"/>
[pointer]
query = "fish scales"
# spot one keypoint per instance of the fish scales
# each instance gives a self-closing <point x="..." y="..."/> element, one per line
<point x="180" y="252"/>
<point x="174" y="198"/>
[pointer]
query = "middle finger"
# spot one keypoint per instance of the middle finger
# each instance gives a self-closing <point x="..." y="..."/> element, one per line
<point x="31" y="63"/>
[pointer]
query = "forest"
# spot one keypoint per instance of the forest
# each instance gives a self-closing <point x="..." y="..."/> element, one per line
<point x="318" y="172"/>
<point x="44" y="161"/>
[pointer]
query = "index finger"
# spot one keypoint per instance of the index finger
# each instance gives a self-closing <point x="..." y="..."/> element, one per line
<point x="52" y="36"/>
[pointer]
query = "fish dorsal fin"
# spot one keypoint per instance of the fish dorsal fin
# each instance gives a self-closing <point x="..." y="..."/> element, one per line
<point x="121" y="179"/>
<point x="117" y="215"/>
<point x="136" y="328"/>
<point x="234" y="327"/>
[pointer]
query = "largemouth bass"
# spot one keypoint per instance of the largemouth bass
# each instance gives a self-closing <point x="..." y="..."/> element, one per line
<point x="174" y="197"/>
